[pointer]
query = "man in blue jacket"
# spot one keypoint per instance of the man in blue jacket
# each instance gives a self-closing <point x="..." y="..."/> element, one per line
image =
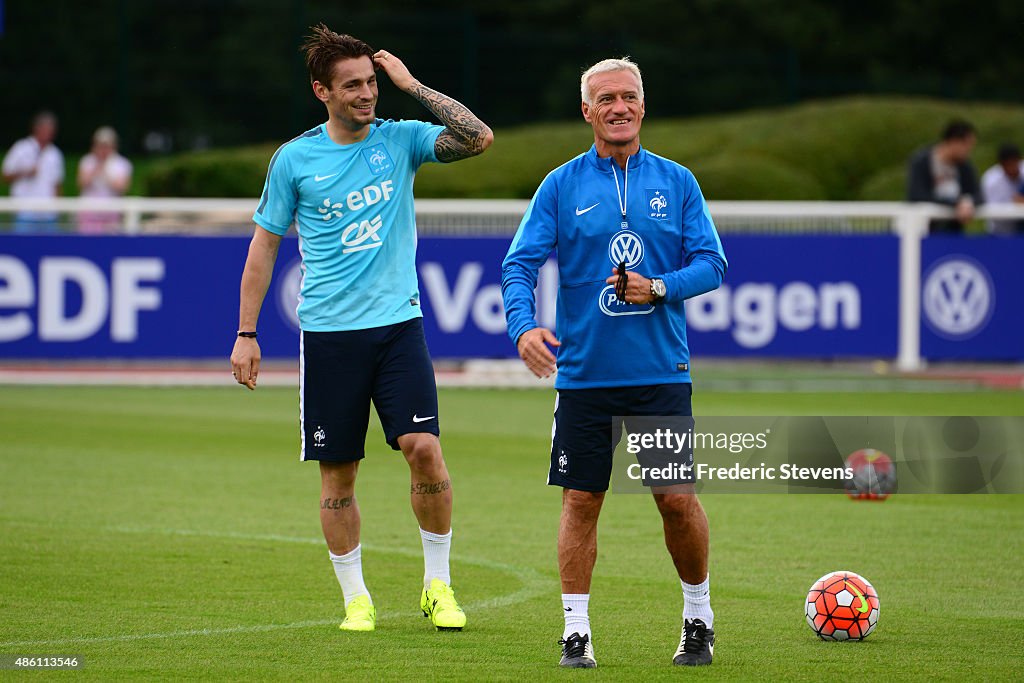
<point x="634" y="240"/>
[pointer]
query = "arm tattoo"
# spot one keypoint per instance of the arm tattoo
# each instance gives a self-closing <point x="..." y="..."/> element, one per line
<point x="464" y="136"/>
<point x="336" y="503"/>
<point x="437" y="487"/>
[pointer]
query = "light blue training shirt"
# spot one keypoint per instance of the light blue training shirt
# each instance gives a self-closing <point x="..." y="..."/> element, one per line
<point x="353" y="208"/>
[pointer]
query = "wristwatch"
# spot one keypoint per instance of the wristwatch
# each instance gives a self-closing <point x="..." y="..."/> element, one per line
<point x="658" y="288"/>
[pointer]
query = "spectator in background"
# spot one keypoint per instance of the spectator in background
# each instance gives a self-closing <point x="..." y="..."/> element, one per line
<point x="1002" y="184"/>
<point x="943" y="174"/>
<point x="102" y="173"/>
<point x="35" y="168"/>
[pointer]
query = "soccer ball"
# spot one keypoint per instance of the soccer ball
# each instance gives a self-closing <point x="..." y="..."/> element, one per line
<point x="842" y="606"/>
<point x="874" y="475"/>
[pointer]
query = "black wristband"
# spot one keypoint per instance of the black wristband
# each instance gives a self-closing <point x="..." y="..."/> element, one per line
<point x="247" y="335"/>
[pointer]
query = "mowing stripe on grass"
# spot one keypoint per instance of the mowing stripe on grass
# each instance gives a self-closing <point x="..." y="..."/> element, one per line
<point x="533" y="584"/>
<point x="174" y="634"/>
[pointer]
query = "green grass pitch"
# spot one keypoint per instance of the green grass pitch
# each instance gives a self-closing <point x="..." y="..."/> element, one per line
<point x="172" y="533"/>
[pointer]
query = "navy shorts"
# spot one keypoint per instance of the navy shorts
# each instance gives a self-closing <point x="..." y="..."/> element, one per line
<point x="342" y="372"/>
<point x="585" y="431"/>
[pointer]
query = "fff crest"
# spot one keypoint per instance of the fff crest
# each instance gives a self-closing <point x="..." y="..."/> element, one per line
<point x="658" y="205"/>
<point x="378" y="159"/>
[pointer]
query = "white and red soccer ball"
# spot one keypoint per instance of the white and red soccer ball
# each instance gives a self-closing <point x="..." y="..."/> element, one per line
<point x="842" y="606"/>
<point x="874" y="475"/>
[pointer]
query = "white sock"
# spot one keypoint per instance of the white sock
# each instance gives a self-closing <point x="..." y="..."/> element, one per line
<point x="436" y="548"/>
<point x="574" y="609"/>
<point x="697" y="601"/>
<point x="349" y="570"/>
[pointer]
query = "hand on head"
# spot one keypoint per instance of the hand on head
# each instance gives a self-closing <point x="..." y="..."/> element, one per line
<point x="394" y="68"/>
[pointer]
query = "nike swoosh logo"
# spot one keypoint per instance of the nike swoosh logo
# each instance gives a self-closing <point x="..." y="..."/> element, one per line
<point x="422" y="419"/>
<point x="863" y="603"/>
<point x="568" y="609"/>
<point x="580" y="212"/>
<point x="318" y="177"/>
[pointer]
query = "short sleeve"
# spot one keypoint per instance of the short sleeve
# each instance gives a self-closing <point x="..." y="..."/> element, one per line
<point x="57" y="161"/>
<point x="122" y="168"/>
<point x="16" y="159"/>
<point x="422" y="137"/>
<point x="277" y="206"/>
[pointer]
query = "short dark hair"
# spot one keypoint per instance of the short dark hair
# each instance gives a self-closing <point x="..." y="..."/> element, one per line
<point x="324" y="47"/>
<point x="1008" y="152"/>
<point x="44" y="116"/>
<point x="958" y="129"/>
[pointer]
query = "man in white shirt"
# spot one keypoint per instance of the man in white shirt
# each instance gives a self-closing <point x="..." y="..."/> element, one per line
<point x="35" y="168"/>
<point x="1004" y="184"/>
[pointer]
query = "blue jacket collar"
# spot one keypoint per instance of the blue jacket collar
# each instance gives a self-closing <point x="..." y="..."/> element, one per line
<point x="605" y="163"/>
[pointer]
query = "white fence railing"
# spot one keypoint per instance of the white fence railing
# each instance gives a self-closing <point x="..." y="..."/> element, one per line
<point x="500" y="217"/>
<point x="495" y="216"/>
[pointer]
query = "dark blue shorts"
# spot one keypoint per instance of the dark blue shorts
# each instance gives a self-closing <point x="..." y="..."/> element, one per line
<point x="342" y="372"/>
<point x="585" y="431"/>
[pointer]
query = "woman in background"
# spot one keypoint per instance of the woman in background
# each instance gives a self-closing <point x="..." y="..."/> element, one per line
<point x="102" y="173"/>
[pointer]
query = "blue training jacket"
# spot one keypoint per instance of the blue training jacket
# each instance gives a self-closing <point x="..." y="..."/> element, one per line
<point x="669" y="234"/>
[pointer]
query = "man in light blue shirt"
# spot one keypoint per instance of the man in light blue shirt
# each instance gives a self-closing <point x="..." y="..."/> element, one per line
<point x="347" y="186"/>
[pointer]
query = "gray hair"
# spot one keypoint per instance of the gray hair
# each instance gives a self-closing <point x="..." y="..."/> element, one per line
<point x="105" y="135"/>
<point x="605" y="66"/>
